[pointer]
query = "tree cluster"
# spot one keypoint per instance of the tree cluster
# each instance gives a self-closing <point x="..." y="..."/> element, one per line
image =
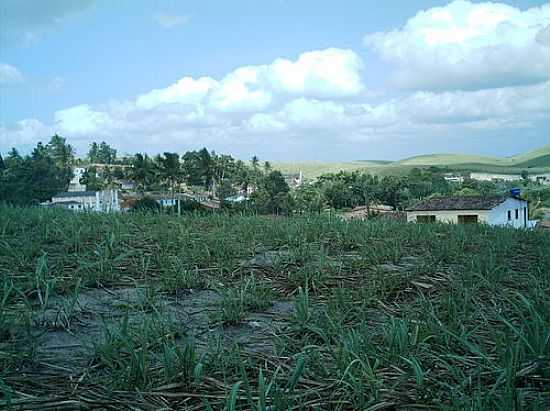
<point x="351" y="189"/>
<point x="36" y="177"/>
<point x="48" y="169"/>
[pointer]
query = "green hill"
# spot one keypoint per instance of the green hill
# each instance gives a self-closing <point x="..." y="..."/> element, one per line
<point x="313" y="169"/>
<point x="446" y="159"/>
<point x="540" y="157"/>
<point x="536" y="160"/>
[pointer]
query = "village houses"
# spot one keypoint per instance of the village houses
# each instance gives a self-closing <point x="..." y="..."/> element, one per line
<point x="510" y="211"/>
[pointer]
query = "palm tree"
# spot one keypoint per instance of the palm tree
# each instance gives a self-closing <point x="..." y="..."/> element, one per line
<point x="63" y="155"/>
<point x="205" y="167"/>
<point x="142" y="170"/>
<point x="170" y="171"/>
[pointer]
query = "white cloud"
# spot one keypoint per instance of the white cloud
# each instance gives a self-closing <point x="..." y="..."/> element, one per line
<point x="169" y="21"/>
<point x="300" y="103"/>
<point x="325" y="73"/>
<point x="82" y="120"/>
<point x="25" y="133"/>
<point x="330" y="73"/>
<point x="310" y="113"/>
<point x="503" y="105"/>
<point x="10" y="74"/>
<point x="264" y="123"/>
<point x="185" y="91"/>
<point x="300" y="114"/>
<point x="242" y="90"/>
<point x="468" y="46"/>
<point x="543" y="36"/>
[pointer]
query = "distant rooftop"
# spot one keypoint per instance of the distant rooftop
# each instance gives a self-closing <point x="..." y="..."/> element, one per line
<point x="66" y="203"/>
<point x="459" y="203"/>
<point x="75" y="194"/>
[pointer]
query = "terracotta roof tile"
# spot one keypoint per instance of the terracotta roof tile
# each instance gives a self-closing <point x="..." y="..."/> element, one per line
<point x="459" y="203"/>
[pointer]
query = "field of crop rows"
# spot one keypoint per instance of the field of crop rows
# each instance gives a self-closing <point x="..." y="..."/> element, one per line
<point x="220" y="312"/>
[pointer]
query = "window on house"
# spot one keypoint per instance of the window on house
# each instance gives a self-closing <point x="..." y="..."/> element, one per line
<point x="467" y="219"/>
<point x="509" y="215"/>
<point x="517" y="213"/>
<point x="425" y="219"/>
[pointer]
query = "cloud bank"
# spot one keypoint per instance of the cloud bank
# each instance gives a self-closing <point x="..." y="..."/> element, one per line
<point x="468" y="46"/>
<point x="461" y="69"/>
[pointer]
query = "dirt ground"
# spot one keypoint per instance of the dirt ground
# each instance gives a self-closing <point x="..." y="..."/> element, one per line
<point x="70" y="334"/>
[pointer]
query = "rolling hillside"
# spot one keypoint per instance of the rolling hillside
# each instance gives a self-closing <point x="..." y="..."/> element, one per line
<point x="313" y="169"/>
<point x="537" y="161"/>
<point x="536" y="158"/>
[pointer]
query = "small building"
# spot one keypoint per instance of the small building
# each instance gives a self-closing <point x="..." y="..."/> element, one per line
<point x="106" y="200"/>
<point x="294" y="179"/>
<point x="74" y="184"/>
<point x="364" y="212"/>
<point x="238" y="198"/>
<point x="166" y="199"/>
<point x="453" y="178"/>
<point x="495" y="210"/>
<point x="480" y="176"/>
<point x="86" y="198"/>
<point x="543" y="179"/>
<point x="540" y="178"/>
<point x="70" y="205"/>
<point x="126" y="185"/>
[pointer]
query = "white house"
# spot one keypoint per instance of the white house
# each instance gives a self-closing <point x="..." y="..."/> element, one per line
<point x="126" y="185"/>
<point x="294" y="180"/>
<point x="106" y="200"/>
<point x="496" y="210"/>
<point x="494" y="177"/>
<point x="87" y="199"/>
<point x="167" y="199"/>
<point x="541" y="178"/>
<point x="74" y="184"/>
<point x="69" y="205"/>
<point x="453" y="178"/>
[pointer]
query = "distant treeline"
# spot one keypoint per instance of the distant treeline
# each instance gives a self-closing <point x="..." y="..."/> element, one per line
<point x="34" y="178"/>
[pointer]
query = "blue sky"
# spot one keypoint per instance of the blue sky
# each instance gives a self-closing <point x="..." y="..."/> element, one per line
<point x="324" y="80"/>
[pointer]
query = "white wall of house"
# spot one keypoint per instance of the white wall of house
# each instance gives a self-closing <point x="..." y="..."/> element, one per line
<point x="449" y="216"/>
<point x="496" y="216"/>
<point x="499" y="214"/>
<point x="454" y="179"/>
<point x="167" y="202"/>
<point x="76" y="207"/>
<point x="492" y="176"/>
<point x="88" y="202"/>
<point x="542" y="178"/>
<point x="107" y="200"/>
<point x="74" y="184"/>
